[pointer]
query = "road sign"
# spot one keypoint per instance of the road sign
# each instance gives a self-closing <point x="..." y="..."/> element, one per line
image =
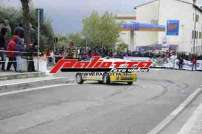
<point x="40" y="12"/>
<point x="173" y="27"/>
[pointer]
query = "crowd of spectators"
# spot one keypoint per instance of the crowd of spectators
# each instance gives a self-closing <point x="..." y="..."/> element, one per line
<point x="14" y="48"/>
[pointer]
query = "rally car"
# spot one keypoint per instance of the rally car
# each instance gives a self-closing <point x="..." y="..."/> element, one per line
<point x="107" y="77"/>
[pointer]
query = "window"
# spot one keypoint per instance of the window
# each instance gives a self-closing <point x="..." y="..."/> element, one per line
<point x="196" y="35"/>
<point x="197" y="17"/>
<point x="200" y="35"/>
<point x="193" y="34"/>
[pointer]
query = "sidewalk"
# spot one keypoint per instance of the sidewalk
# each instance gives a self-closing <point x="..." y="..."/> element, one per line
<point x="194" y="123"/>
<point x="16" y="75"/>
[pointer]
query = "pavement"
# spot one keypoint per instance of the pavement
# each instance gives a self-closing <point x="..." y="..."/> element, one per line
<point x="15" y="75"/>
<point x="60" y="106"/>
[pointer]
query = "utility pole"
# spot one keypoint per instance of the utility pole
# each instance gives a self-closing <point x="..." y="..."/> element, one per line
<point x="38" y="37"/>
<point x="39" y="12"/>
<point x="194" y="43"/>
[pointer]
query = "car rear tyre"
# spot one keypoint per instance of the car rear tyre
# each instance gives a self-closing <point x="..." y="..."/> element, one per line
<point x="79" y="79"/>
<point x="130" y="83"/>
<point x="100" y="82"/>
<point x="106" y="79"/>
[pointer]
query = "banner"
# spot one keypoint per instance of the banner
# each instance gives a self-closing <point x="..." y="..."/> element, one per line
<point x="171" y="62"/>
<point x="173" y="27"/>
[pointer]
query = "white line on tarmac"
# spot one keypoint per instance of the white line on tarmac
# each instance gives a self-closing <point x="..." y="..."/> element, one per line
<point x="34" y="89"/>
<point x="30" y="80"/>
<point x="175" y="113"/>
<point x="191" y="123"/>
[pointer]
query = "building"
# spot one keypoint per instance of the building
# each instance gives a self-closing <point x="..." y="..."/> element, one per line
<point x="182" y="20"/>
<point x="126" y="36"/>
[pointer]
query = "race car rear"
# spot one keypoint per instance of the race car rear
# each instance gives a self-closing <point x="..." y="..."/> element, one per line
<point x="107" y="77"/>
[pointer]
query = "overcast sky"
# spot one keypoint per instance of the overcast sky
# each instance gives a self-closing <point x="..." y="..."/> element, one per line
<point x="67" y="15"/>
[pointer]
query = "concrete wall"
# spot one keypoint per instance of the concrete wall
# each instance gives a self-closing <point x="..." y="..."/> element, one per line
<point x="147" y="14"/>
<point x="164" y="10"/>
<point x="124" y="36"/>
<point x="177" y="11"/>
<point x="185" y="14"/>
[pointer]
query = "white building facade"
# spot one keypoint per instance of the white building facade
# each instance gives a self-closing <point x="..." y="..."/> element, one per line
<point x="182" y="20"/>
<point x="126" y="36"/>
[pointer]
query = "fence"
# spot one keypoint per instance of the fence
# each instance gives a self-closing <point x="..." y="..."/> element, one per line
<point x="23" y="59"/>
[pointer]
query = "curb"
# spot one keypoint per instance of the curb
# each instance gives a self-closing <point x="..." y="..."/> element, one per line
<point x="22" y="75"/>
<point x="175" y="113"/>
<point x="37" y="83"/>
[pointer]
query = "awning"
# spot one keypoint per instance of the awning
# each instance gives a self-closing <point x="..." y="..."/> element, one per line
<point x="136" y="26"/>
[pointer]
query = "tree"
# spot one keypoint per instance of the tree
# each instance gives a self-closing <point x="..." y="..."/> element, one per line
<point x="26" y="19"/>
<point x="101" y="30"/>
<point x="14" y="16"/>
<point x="77" y="38"/>
<point x="122" y="47"/>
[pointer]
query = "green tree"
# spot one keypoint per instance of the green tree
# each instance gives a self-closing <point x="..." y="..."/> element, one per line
<point x="101" y="30"/>
<point x="26" y="19"/>
<point x="14" y="16"/>
<point x="77" y="38"/>
<point x="122" y="47"/>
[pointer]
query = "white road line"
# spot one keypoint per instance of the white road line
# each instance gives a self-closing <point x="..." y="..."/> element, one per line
<point x="175" y="113"/>
<point x="30" y="80"/>
<point x="34" y="89"/>
<point x="191" y="123"/>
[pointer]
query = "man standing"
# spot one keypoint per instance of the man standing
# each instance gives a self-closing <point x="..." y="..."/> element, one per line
<point x="19" y="53"/>
<point x="194" y="62"/>
<point x="19" y="31"/>
<point x="3" y="47"/>
<point x="8" y="27"/>
<point x="181" y="62"/>
<point x="30" y="53"/>
<point x="11" y="53"/>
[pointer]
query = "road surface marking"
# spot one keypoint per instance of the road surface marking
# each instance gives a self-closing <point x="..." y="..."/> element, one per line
<point x="30" y="80"/>
<point x="34" y="89"/>
<point x="175" y="113"/>
<point x="191" y="124"/>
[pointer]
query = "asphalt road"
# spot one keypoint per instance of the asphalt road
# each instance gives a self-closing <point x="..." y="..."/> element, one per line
<point x="94" y="108"/>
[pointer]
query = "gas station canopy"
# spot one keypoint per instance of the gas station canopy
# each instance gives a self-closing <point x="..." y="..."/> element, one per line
<point x="136" y="26"/>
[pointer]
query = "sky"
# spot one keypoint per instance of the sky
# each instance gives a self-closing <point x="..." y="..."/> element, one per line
<point x="67" y="15"/>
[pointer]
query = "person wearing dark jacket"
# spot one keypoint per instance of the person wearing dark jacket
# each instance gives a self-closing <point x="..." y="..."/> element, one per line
<point x="181" y="62"/>
<point x="30" y="53"/>
<point x="3" y="47"/>
<point x="19" y="30"/>
<point x="19" y="53"/>
<point x="11" y="48"/>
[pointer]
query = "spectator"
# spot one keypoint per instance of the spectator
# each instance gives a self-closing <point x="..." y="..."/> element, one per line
<point x="19" y="31"/>
<point x="8" y="27"/>
<point x="71" y="51"/>
<point x="194" y="62"/>
<point x="11" y="54"/>
<point x="181" y="62"/>
<point x="30" y="53"/>
<point x="3" y="47"/>
<point x="20" y="49"/>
